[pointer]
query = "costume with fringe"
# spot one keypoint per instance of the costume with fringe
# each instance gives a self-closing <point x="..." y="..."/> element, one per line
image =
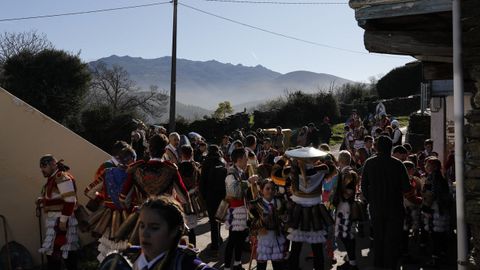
<point x="145" y="179"/>
<point x="308" y="217"/>
<point x="59" y="200"/>
<point x="268" y="228"/>
<point x="106" y="221"/>
<point x="436" y="204"/>
<point x="190" y="173"/>
<point x="236" y="188"/>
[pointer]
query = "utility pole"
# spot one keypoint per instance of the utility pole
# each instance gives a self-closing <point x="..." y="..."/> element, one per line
<point x="173" y="79"/>
<point x="458" y="111"/>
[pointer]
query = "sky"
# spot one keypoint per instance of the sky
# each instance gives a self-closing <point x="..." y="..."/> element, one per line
<point x="147" y="32"/>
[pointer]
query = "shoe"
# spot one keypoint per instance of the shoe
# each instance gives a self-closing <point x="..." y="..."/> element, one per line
<point x="347" y="266"/>
<point x="433" y="262"/>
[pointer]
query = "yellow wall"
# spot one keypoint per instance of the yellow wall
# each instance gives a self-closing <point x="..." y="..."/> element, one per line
<point x="25" y="135"/>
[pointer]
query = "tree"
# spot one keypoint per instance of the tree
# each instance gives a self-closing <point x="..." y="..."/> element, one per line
<point x="53" y="81"/>
<point x="401" y="82"/>
<point x="113" y="88"/>
<point x="350" y="92"/>
<point x="101" y="128"/>
<point x="15" y="43"/>
<point x="224" y="108"/>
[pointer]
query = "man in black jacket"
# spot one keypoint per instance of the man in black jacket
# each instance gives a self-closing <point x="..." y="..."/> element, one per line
<point x="212" y="188"/>
<point x="384" y="183"/>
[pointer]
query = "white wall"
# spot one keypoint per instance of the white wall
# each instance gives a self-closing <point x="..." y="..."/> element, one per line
<point x="25" y="136"/>
<point x="442" y="127"/>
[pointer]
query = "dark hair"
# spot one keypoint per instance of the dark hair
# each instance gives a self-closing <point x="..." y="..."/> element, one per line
<point x="47" y="159"/>
<point x="238" y="142"/>
<point x="126" y="152"/>
<point x="408" y="147"/>
<point x="172" y="213"/>
<point x="186" y="151"/>
<point x="267" y="140"/>
<point x="400" y="150"/>
<point x="263" y="182"/>
<point x="435" y="161"/>
<point x="368" y="138"/>
<point x="213" y="149"/>
<point x="157" y="145"/>
<point x="409" y="165"/>
<point x="413" y="158"/>
<point x="428" y="141"/>
<point x="237" y="154"/>
<point x="117" y="147"/>
<point x="250" y="140"/>
<point x="384" y="145"/>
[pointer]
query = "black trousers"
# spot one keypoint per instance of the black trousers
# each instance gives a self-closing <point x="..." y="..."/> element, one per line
<point x="440" y="243"/>
<point x="317" y="249"/>
<point x="387" y="242"/>
<point x="55" y="262"/>
<point x="277" y="265"/>
<point x="192" y="237"/>
<point x="349" y="247"/>
<point x="235" y="242"/>
<point x="214" y="228"/>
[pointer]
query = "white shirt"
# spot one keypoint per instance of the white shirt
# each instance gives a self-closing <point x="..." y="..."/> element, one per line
<point x="142" y="262"/>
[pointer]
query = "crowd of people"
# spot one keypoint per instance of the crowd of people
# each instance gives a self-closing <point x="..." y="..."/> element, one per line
<point x="271" y="195"/>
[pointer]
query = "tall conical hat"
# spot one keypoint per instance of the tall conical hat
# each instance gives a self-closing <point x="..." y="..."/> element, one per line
<point x="305" y="153"/>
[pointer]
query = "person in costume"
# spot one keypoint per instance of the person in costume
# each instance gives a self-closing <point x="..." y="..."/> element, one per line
<point x="145" y="179"/>
<point x="236" y="220"/>
<point x="190" y="173"/>
<point x="308" y="217"/>
<point x="412" y="203"/>
<point x="171" y="150"/>
<point x="437" y="204"/>
<point x="268" y="211"/>
<point x="161" y="227"/>
<point x="106" y="221"/>
<point x="59" y="200"/>
<point x="345" y="221"/>
<point x="92" y="188"/>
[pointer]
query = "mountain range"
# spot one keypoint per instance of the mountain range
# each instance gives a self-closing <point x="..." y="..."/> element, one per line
<point x="203" y="84"/>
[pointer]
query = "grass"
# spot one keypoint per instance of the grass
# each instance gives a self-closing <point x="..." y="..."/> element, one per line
<point x="337" y="134"/>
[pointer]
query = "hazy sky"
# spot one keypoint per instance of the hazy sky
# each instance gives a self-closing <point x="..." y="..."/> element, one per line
<point x="146" y="32"/>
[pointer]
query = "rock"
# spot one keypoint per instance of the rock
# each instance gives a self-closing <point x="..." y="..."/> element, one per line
<point x="473" y="116"/>
<point x="472" y="131"/>
<point x="472" y="185"/>
<point x="472" y="211"/>
<point x="472" y="172"/>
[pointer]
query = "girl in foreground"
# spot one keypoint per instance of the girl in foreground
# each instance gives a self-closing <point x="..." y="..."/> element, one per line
<point x="161" y="226"/>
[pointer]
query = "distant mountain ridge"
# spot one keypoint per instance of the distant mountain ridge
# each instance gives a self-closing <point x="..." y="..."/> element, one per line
<point x="206" y="83"/>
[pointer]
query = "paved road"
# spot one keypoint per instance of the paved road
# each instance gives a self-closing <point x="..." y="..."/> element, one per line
<point x="364" y="253"/>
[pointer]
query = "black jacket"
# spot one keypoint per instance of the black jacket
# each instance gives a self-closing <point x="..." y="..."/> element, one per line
<point x="384" y="181"/>
<point x="212" y="180"/>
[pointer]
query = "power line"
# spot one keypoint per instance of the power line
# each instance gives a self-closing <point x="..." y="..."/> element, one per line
<point x="280" y="34"/>
<point x="277" y="2"/>
<point x="83" y="12"/>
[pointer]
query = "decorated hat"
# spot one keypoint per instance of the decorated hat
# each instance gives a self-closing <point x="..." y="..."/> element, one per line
<point x="305" y="153"/>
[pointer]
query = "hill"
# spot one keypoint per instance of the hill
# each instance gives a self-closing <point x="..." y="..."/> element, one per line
<point x="206" y="83"/>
